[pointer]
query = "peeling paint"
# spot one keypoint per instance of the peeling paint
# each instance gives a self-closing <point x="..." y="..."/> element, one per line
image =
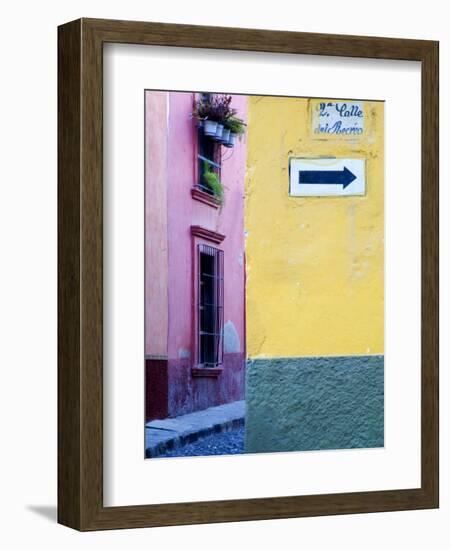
<point x="231" y="341"/>
<point x="184" y="353"/>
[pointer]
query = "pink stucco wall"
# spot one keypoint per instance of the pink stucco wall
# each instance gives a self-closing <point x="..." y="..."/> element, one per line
<point x="156" y="252"/>
<point x="186" y="393"/>
<point x="184" y="212"/>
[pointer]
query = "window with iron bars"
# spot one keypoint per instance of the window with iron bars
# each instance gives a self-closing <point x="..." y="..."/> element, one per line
<point x="210" y="306"/>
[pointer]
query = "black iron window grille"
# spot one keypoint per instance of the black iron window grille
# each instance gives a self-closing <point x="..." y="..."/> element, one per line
<point x="210" y="306"/>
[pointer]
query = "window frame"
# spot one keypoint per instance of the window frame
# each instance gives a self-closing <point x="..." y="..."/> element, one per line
<point x="217" y="304"/>
<point x="200" y="156"/>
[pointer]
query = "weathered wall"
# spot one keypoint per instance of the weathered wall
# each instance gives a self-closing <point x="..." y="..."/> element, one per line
<point x="314" y="287"/>
<point x="314" y="265"/>
<point x="156" y="249"/>
<point x="183" y="212"/>
<point x="305" y="404"/>
<point x="186" y="393"/>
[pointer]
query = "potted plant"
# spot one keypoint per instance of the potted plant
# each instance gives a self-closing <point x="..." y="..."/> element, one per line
<point x="212" y="181"/>
<point x="218" y="119"/>
<point x="219" y="131"/>
<point x="205" y="113"/>
<point x="237" y="129"/>
<point x="225" y="136"/>
<point x="222" y="112"/>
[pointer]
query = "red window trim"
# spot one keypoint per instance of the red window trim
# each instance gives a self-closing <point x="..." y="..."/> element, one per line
<point x="206" y="198"/>
<point x="218" y="314"/>
<point x="199" y="235"/>
<point x="207" y="234"/>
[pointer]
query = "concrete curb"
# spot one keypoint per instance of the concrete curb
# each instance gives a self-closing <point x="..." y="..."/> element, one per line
<point x="171" y="433"/>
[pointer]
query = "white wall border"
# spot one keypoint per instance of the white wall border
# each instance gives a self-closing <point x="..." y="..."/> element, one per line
<point x="128" y="478"/>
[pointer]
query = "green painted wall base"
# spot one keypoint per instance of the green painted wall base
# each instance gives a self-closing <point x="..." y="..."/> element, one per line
<point x="314" y="403"/>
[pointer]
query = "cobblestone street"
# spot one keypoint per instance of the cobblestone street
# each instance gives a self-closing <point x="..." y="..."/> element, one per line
<point x="225" y="443"/>
<point x="217" y="430"/>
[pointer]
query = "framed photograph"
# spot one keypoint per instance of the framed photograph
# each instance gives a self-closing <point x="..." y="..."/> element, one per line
<point x="248" y="274"/>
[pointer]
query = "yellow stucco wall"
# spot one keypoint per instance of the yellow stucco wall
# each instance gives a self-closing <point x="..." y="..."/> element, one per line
<point x="314" y="264"/>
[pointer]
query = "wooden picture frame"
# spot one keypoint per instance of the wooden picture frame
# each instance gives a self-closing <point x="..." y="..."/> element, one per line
<point x="80" y="272"/>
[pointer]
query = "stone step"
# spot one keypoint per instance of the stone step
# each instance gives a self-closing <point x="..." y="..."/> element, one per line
<point x="171" y="433"/>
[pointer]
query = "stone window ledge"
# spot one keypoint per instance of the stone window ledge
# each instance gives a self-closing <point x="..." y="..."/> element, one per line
<point x="206" y="372"/>
<point x="206" y="198"/>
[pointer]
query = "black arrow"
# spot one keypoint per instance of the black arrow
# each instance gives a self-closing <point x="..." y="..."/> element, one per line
<point x="327" y="177"/>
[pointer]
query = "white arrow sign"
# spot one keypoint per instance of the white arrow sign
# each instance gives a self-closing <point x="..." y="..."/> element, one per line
<point x="326" y="177"/>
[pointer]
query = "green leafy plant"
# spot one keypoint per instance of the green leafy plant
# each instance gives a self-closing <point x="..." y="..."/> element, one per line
<point x="236" y="125"/>
<point x="212" y="181"/>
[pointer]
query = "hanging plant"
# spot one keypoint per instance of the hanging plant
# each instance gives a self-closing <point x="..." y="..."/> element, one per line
<point x="237" y="129"/>
<point x="223" y="109"/>
<point x="205" y="113"/>
<point x="225" y="135"/>
<point x="212" y="181"/>
<point x="236" y="125"/>
<point x="213" y="112"/>
<point x="219" y="131"/>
